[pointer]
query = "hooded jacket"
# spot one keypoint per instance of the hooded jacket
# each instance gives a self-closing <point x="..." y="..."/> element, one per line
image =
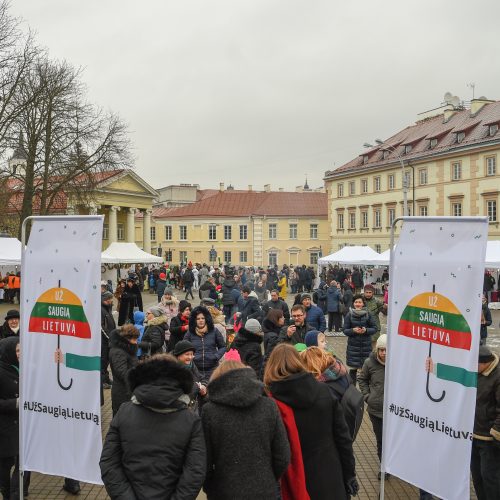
<point x="139" y="324"/>
<point x="169" y="307"/>
<point x="254" y="447"/>
<point x="250" y="308"/>
<point x="153" y="339"/>
<point x="316" y="318"/>
<point x="227" y="296"/>
<point x="371" y="383"/>
<point x="122" y="358"/>
<point x="210" y="347"/>
<point x="155" y="447"/>
<point x="323" y="433"/>
<point x="359" y="346"/>
<point x="333" y="299"/>
<point x="9" y="394"/>
<point x="249" y="344"/>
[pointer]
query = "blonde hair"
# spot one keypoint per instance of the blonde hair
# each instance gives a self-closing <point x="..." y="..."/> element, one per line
<point x="322" y="337"/>
<point x="316" y="360"/>
<point x="226" y="366"/>
<point x="283" y="362"/>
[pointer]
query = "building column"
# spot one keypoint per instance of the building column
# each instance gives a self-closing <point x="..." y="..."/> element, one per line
<point x="131" y="225"/>
<point x="93" y="209"/>
<point x="146" y="231"/>
<point x="113" y="224"/>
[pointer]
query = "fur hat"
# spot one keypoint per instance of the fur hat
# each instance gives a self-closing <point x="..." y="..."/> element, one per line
<point x="253" y="326"/>
<point x="11" y="314"/>
<point x="381" y="342"/>
<point x="182" y="347"/>
<point x="485" y="354"/>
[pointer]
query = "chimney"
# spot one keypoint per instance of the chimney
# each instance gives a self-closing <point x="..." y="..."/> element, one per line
<point x="250" y="187"/>
<point x="281" y="190"/>
<point x="477" y="104"/>
<point x="448" y="113"/>
<point x="221" y="186"/>
<point x="267" y="188"/>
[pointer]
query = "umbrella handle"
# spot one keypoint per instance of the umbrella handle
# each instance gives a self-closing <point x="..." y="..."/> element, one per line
<point x="63" y="387"/>
<point x="436" y="400"/>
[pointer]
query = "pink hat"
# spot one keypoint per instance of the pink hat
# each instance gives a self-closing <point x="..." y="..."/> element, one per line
<point x="232" y="355"/>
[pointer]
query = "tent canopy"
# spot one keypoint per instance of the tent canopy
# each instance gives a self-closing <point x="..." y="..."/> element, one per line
<point x="10" y="252"/>
<point x="493" y="255"/>
<point x="127" y="253"/>
<point x="357" y="255"/>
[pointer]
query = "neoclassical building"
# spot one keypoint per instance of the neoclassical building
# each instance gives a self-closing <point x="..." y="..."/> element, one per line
<point x="447" y="162"/>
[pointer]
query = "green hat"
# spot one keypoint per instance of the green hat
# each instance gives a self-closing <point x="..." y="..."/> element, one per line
<point x="300" y="347"/>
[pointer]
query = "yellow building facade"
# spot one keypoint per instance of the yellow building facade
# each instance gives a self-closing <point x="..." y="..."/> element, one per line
<point x="450" y="168"/>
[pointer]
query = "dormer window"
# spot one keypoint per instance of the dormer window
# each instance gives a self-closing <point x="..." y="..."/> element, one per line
<point x="407" y="148"/>
<point x="433" y="142"/>
<point x="365" y="159"/>
<point x="493" y="129"/>
<point x="460" y="136"/>
<point x="385" y="153"/>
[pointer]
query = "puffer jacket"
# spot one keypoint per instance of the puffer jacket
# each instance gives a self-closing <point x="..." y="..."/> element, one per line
<point x="153" y="339"/>
<point x="249" y="344"/>
<point x="359" y="346"/>
<point x="333" y="299"/>
<point x="210" y="347"/>
<point x="160" y="287"/>
<point x="171" y="462"/>
<point x="251" y="308"/>
<point x="316" y="318"/>
<point x="227" y="296"/>
<point x="371" y="383"/>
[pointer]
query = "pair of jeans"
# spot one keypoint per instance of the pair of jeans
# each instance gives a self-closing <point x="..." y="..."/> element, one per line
<point x="377" y="424"/>
<point x="189" y="290"/>
<point x="485" y="469"/>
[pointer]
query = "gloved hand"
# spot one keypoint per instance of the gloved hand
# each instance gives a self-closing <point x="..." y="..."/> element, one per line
<point x="352" y="486"/>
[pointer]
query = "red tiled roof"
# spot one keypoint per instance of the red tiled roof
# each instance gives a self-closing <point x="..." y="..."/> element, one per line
<point x="248" y="203"/>
<point x="418" y="135"/>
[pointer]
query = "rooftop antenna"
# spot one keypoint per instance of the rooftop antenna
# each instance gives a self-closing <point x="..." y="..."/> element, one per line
<point x="473" y="87"/>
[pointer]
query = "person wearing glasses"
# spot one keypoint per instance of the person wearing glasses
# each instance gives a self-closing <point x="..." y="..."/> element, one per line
<point x="295" y="333"/>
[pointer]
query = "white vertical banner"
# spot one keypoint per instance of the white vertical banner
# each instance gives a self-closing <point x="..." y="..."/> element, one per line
<point x="437" y="270"/>
<point x="60" y="412"/>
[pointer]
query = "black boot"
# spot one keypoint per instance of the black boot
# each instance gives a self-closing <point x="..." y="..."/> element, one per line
<point x="71" y="486"/>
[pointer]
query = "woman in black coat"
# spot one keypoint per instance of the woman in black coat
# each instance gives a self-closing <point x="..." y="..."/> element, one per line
<point x="130" y="298"/>
<point x="246" y="457"/>
<point x="122" y="358"/>
<point x="359" y="326"/>
<point x="179" y="325"/>
<point x="248" y="343"/>
<point x="271" y="326"/>
<point x="325" y="442"/>
<point x="155" y="448"/>
<point x="153" y="340"/>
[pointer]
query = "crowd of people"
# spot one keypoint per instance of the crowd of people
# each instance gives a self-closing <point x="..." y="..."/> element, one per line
<point x="241" y="395"/>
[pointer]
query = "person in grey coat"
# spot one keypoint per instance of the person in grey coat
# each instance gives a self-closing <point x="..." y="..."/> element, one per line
<point x="247" y="445"/>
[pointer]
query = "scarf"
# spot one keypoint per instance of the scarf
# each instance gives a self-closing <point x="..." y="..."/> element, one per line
<point x="201" y="331"/>
<point x="358" y="313"/>
<point x="15" y="330"/>
<point x="293" y="481"/>
<point x="333" y="372"/>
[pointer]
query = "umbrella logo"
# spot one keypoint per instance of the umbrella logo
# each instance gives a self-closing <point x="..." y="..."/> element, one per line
<point x="58" y="311"/>
<point x="432" y="317"/>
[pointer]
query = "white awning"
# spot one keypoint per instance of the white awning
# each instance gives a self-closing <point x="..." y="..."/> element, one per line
<point x="127" y="253"/>
<point x="10" y="252"/>
<point x="356" y="255"/>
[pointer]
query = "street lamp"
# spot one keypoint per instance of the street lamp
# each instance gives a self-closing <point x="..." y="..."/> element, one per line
<point x="387" y="147"/>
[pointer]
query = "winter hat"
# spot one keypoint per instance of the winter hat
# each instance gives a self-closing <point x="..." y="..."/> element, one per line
<point x="183" y="304"/>
<point x="162" y="276"/>
<point x="300" y="347"/>
<point x="8" y="350"/>
<point x="252" y="325"/>
<point x="207" y="301"/>
<point x="182" y="347"/>
<point x="13" y="313"/>
<point x="305" y="296"/>
<point x="381" y="342"/>
<point x="232" y="355"/>
<point x="311" y="338"/>
<point x="369" y="287"/>
<point x="155" y="311"/>
<point x="106" y="295"/>
<point x="168" y="291"/>
<point x="485" y="354"/>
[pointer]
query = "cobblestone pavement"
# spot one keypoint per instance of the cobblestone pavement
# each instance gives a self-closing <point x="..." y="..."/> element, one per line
<point x="49" y="487"/>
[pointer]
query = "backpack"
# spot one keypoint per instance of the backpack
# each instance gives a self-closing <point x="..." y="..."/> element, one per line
<point x="352" y="403"/>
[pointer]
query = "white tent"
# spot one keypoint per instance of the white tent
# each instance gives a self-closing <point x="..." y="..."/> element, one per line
<point x="356" y="255"/>
<point x="10" y="252"/>
<point x="492" y="255"/>
<point x="127" y="253"/>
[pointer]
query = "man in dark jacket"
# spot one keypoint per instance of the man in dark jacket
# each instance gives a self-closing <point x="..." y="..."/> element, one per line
<point x="228" y="298"/>
<point x="161" y="284"/>
<point x="107" y="326"/>
<point x="248" y="343"/>
<point x="155" y="431"/>
<point x="315" y="316"/>
<point x="11" y="326"/>
<point x="188" y="280"/>
<point x="296" y="333"/>
<point x="277" y="303"/>
<point x="248" y="306"/>
<point x="357" y="280"/>
<point x="333" y="301"/>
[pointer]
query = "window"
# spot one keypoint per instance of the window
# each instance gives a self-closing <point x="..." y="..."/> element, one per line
<point x="313" y="258"/>
<point x="293" y="231"/>
<point x="433" y="142"/>
<point x="168" y="255"/>
<point x="491" y="165"/>
<point x="152" y="233"/>
<point x="493" y="129"/>
<point x="313" y="231"/>
<point x="422" y="176"/>
<point x="183" y="234"/>
<point x="168" y="233"/>
<point x="491" y="208"/>
<point x="228" y="232"/>
<point x="391" y="215"/>
<point x="121" y="232"/>
<point x="272" y="231"/>
<point x="352" y="220"/>
<point x="340" y="221"/>
<point x="340" y="190"/>
<point x="460" y="136"/>
<point x="456" y="171"/>
<point x="244" y="232"/>
<point x="386" y="153"/>
<point x="227" y="257"/>
<point x="390" y="181"/>
<point x="407" y="148"/>
<point x="273" y="259"/>
<point x="378" y="248"/>
<point x="243" y="257"/>
<point x="456" y="209"/>
<point x="183" y="255"/>
<point x="377" y="219"/>
<point x="105" y="231"/>
<point x="365" y="159"/>
<point x="364" y="185"/>
<point x="352" y="188"/>
<point x="212" y="232"/>
<point x="376" y="183"/>
<point x="364" y="219"/>
<point x="422" y="211"/>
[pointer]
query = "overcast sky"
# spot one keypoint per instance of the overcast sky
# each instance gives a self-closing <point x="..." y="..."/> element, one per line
<point x="262" y="91"/>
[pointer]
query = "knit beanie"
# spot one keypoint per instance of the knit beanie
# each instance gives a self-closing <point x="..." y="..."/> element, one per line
<point x="381" y="342"/>
<point x="369" y="287"/>
<point x="252" y="325"/>
<point x="183" y="304"/>
<point x="168" y="291"/>
<point x="485" y="354"/>
<point x="183" y="346"/>
<point x="155" y="311"/>
<point x="106" y="295"/>
<point x="232" y="355"/>
<point x="311" y="338"/>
